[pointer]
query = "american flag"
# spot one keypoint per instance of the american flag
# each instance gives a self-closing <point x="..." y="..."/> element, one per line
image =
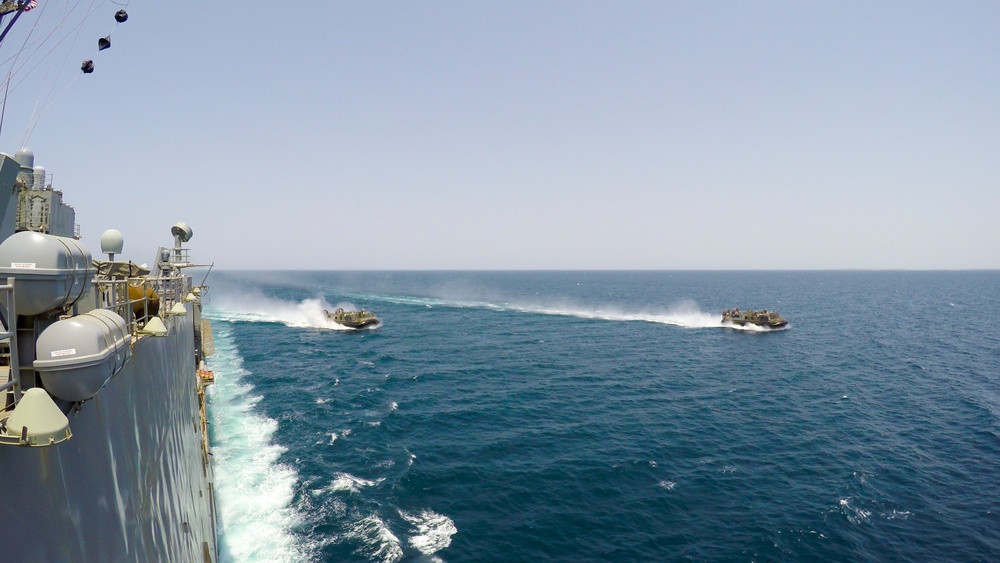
<point x="31" y="4"/>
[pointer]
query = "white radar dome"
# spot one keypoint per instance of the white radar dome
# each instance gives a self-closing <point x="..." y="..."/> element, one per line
<point x="112" y="242"/>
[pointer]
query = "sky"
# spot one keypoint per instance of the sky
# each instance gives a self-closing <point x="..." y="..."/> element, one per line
<point x="525" y="135"/>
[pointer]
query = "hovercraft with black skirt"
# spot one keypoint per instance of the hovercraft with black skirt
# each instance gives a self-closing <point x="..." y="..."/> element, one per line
<point x="762" y="318"/>
<point x="353" y="319"/>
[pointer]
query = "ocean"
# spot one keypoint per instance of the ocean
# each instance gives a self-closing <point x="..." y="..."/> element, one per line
<point x="607" y="416"/>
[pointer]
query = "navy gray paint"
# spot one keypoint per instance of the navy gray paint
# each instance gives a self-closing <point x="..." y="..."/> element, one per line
<point x="134" y="482"/>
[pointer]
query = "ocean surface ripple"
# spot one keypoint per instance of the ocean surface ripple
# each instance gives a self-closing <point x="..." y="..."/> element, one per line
<point x="607" y="416"/>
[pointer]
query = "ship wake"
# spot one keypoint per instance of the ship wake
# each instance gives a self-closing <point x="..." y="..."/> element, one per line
<point x="684" y="314"/>
<point x="254" y="491"/>
<point x="256" y="308"/>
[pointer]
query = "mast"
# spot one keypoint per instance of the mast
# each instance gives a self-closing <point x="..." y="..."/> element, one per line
<point x="12" y="6"/>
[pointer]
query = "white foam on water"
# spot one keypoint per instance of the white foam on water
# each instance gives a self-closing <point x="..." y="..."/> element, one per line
<point x="382" y="544"/>
<point x="254" y="491"/>
<point x="854" y="514"/>
<point x="349" y="483"/>
<point x="255" y="307"/>
<point x="433" y="531"/>
<point x="862" y="476"/>
<point x="685" y="313"/>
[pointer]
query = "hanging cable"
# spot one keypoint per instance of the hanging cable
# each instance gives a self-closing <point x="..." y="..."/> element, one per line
<point x="4" y="110"/>
<point x="21" y="8"/>
<point x="87" y="67"/>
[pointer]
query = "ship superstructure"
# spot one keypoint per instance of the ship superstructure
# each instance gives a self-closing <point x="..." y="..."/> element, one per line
<point x="104" y="454"/>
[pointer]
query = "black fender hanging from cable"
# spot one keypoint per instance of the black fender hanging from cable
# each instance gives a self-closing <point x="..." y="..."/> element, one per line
<point x="103" y="43"/>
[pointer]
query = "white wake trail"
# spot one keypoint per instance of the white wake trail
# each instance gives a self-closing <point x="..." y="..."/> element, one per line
<point x="254" y="490"/>
<point x="308" y="313"/>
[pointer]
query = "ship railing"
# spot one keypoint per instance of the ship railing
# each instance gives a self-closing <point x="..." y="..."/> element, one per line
<point x="172" y="290"/>
<point x="114" y="296"/>
<point x="179" y="255"/>
<point x="9" y="335"/>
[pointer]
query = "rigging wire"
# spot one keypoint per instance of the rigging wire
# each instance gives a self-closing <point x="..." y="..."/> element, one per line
<point x="38" y="116"/>
<point x="30" y="56"/>
<point x="4" y="110"/>
<point x="21" y="50"/>
<point x="38" y="45"/>
<point x="46" y="104"/>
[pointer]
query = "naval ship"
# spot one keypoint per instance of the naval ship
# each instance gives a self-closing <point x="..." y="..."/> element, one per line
<point x="104" y="452"/>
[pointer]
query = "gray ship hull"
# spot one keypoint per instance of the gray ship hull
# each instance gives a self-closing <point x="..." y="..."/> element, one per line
<point x="104" y="451"/>
<point x="134" y="483"/>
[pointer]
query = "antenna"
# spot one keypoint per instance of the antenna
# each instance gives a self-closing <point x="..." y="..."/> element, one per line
<point x="112" y="243"/>
<point x="182" y="233"/>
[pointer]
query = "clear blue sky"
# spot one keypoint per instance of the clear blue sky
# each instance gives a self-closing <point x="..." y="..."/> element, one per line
<point x="526" y="135"/>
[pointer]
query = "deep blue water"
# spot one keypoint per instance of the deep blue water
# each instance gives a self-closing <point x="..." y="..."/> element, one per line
<point x="607" y="416"/>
